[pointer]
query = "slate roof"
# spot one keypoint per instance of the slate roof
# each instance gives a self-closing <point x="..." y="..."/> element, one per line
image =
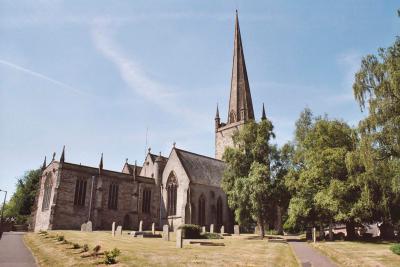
<point x="201" y="169"/>
<point x="131" y="166"/>
<point x="153" y="157"/>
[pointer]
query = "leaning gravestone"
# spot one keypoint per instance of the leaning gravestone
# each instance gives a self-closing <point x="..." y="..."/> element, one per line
<point x="89" y="227"/>
<point x="179" y="241"/>
<point x="83" y="227"/>
<point x="203" y="229"/>
<point x="119" y="230"/>
<point x="141" y="226"/>
<point x="166" y="232"/>
<point x="153" y="228"/>
<point x="236" y="230"/>
<point x="222" y="230"/>
<point x="211" y="228"/>
<point x="113" y="229"/>
<point x="314" y="235"/>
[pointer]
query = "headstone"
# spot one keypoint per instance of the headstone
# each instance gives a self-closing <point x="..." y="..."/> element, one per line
<point x="153" y="228"/>
<point x="314" y="234"/>
<point x="119" y="230"/>
<point x="257" y="230"/>
<point x="166" y="232"/>
<point x="211" y="228"/>
<point x="141" y="226"/>
<point x="203" y="229"/>
<point x="83" y="227"/>
<point x="113" y="229"/>
<point x="179" y="241"/>
<point x="89" y="226"/>
<point x="222" y="230"/>
<point x="236" y="230"/>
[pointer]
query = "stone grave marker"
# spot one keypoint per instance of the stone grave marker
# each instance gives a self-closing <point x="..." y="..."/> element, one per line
<point x="203" y="229"/>
<point x="89" y="227"/>
<point x="179" y="241"/>
<point x="314" y="235"/>
<point x="236" y="230"/>
<point x="166" y="232"/>
<point x="141" y="226"/>
<point x="222" y="230"/>
<point x="83" y="227"/>
<point x="153" y="228"/>
<point x="119" y="230"/>
<point x="113" y="229"/>
<point x="211" y="228"/>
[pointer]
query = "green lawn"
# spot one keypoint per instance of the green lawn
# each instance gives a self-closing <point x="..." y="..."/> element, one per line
<point x="346" y="253"/>
<point x="245" y="250"/>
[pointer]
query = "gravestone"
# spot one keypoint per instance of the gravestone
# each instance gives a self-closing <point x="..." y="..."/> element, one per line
<point x="179" y="241"/>
<point x="113" y="229"/>
<point x="83" y="227"/>
<point x="89" y="226"/>
<point x="141" y="226"/>
<point x="119" y="230"/>
<point x="153" y="228"/>
<point x="166" y="232"/>
<point x="211" y="228"/>
<point x="203" y="229"/>
<point x="236" y="230"/>
<point x="314" y="235"/>
<point x="222" y="230"/>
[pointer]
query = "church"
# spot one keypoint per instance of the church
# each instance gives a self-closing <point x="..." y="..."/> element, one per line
<point x="182" y="188"/>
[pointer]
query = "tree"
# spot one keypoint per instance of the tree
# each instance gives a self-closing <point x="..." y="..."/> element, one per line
<point x="247" y="178"/>
<point x="22" y="201"/>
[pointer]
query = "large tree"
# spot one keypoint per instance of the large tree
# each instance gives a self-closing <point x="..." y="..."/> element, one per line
<point x="247" y="179"/>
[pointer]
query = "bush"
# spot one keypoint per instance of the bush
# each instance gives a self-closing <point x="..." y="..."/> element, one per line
<point x="85" y="248"/>
<point x="42" y="233"/>
<point x="76" y="246"/>
<point x="60" y="238"/>
<point x="271" y="232"/>
<point x="111" y="256"/>
<point x="190" y="231"/>
<point x="211" y="236"/>
<point x="395" y="249"/>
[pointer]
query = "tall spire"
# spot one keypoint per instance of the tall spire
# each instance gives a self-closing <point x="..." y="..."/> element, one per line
<point x="240" y="103"/>
<point x="62" y="158"/>
<point x="263" y="116"/>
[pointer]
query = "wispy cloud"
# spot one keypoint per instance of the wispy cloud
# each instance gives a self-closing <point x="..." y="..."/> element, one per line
<point x="41" y="76"/>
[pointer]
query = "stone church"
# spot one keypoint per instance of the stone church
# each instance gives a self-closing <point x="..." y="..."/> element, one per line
<point x="184" y="187"/>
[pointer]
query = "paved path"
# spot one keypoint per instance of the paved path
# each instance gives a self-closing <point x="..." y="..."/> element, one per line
<point x="309" y="256"/>
<point x="13" y="252"/>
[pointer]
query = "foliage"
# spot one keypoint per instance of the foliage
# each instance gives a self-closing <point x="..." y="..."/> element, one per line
<point x="211" y="236"/>
<point x="60" y="238"/>
<point x="21" y="203"/>
<point x="190" y="231"/>
<point x="395" y="249"/>
<point x="110" y="257"/>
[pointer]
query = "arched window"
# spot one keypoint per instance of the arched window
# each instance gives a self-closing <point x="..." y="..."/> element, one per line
<point x="80" y="192"/>
<point x="219" y="211"/>
<point x="202" y="210"/>
<point x="172" y="189"/>
<point x="146" y="200"/>
<point x="47" y="193"/>
<point x="113" y="196"/>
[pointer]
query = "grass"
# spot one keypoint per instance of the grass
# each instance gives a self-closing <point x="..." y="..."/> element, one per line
<point x="243" y="250"/>
<point x="346" y="253"/>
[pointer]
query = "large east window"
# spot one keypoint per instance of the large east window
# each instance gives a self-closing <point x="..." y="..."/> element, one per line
<point x="80" y="192"/>
<point x="146" y="201"/>
<point x="47" y="193"/>
<point x="172" y="189"/>
<point x="113" y="196"/>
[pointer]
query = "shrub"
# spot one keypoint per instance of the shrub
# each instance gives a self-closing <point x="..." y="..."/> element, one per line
<point x="190" y="231"/>
<point x="271" y="232"/>
<point x="211" y="236"/>
<point x="395" y="249"/>
<point x="76" y="246"/>
<point x="110" y="257"/>
<point x="42" y="233"/>
<point x="60" y="238"/>
<point x="85" y="248"/>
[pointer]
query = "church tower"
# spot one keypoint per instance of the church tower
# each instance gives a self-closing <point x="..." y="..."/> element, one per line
<point x="240" y="103"/>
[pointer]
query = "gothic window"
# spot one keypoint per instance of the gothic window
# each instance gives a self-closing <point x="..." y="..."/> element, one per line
<point x="80" y="192"/>
<point x="47" y="193"/>
<point x="146" y="200"/>
<point x="113" y="196"/>
<point x="172" y="189"/>
<point x="202" y="210"/>
<point x="232" y="117"/>
<point x="219" y="211"/>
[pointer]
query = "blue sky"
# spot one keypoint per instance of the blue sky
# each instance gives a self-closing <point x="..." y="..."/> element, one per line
<point x="94" y="75"/>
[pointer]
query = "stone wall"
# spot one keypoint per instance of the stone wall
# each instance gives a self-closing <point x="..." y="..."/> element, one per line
<point x="223" y="138"/>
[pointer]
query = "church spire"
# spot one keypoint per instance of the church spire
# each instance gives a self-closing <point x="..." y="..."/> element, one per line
<point x="240" y="103"/>
<point x="263" y="116"/>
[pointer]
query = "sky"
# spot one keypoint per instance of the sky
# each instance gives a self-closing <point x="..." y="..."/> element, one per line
<point x="105" y="76"/>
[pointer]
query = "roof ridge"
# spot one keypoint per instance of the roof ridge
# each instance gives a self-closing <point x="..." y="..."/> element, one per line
<point x="196" y="154"/>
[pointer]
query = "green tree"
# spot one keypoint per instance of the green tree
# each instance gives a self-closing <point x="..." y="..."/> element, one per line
<point x="21" y="203"/>
<point x="247" y="179"/>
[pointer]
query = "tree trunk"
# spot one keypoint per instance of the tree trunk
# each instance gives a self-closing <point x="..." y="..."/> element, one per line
<point x="387" y="231"/>
<point x="350" y="230"/>
<point x="330" y="231"/>
<point x="278" y="225"/>
<point x="261" y="226"/>
<point x="321" y="232"/>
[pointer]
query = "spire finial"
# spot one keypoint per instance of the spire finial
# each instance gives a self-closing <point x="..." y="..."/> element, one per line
<point x="101" y="162"/>
<point x="62" y="158"/>
<point x="263" y="116"/>
<point x="149" y="149"/>
<point x="126" y="160"/>
<point x="44" y="163"/>
<point x="217" y="113"/>
<point x="174" y="144"/>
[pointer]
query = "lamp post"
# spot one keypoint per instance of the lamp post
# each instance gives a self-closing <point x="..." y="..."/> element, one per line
<point x="2" y="210"/>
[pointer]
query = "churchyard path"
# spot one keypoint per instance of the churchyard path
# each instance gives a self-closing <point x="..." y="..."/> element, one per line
<point x="309" y="256"/>
<point x="13" y="252"/>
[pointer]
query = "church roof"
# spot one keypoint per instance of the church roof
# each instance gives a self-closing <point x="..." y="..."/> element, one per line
<point x="201" y="169"/>
<point x="240" y="96"/>
<point x="153" y="157"/>
<point x="131" y="167"/>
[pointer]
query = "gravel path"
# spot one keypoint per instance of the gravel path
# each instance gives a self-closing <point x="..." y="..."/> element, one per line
<point x="13" y="252"/>
<point x="309" y="256"/>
